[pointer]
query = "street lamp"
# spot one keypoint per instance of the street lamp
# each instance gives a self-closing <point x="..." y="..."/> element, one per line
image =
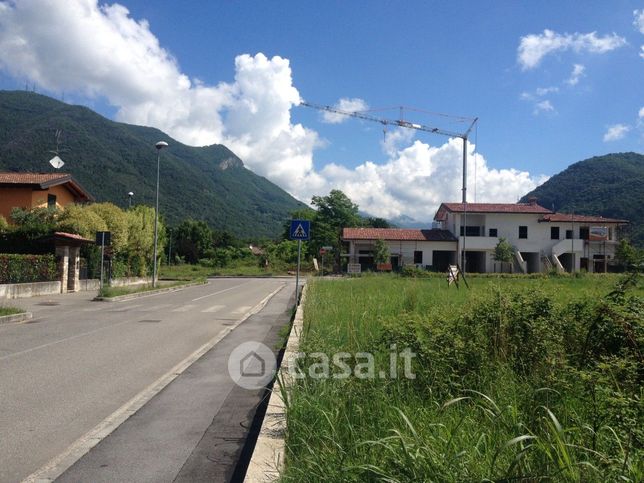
<point x="160" y="145"/>
<point x="129" y="198"/>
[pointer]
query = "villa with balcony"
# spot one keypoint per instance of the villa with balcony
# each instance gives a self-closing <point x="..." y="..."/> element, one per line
<point x="542" y="239"/>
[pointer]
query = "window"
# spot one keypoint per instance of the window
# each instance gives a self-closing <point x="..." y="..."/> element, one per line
<point x="523" y="232"/>
<point x="583" y="232"/>
<point x="471" y="231"/>
<point x="568" y="234"/>
<point x="418" y="257"/>
<point x="554" y="233"/>
<point x="494" y="232"/>
<point x="51" y="201"/>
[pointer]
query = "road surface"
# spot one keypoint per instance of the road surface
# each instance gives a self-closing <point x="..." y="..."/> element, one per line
<point x="79" y="361"/>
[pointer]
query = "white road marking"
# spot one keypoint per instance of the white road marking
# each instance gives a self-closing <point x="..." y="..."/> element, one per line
<point x="221" y="291"/>
<point x="84" y="444"/>
<point x="154" y="308"/>
<point x="241" y="310"/>
<point x="125" y="309"/>
<point x="95" y="309"/>
<point x="214" y="308"/>
<point x="184" y="308"/>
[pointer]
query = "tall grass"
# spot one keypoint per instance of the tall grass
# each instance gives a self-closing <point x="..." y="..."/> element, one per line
<point x="516" y="379"/>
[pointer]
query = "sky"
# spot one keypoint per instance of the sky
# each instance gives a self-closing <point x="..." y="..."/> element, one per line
<point x="550" y="83"/>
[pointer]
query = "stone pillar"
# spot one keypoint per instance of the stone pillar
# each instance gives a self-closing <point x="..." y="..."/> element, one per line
<point x="74" y="276"/>
<point x="62" y="252"/>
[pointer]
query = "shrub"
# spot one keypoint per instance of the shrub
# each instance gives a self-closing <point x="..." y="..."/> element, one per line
<point x="27" y="268"/>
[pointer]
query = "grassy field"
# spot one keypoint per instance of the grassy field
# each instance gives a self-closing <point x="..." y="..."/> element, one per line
<point x="190" y="272"/>
<point x="516" y="379"/>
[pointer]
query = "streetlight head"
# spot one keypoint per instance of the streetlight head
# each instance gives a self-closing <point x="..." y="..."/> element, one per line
<point x="130" y="193"/>
<point x="161" y="144"/>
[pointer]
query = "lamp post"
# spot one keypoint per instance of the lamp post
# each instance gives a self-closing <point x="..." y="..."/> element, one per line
<point x="160" y="145"/>
<point x="129" y="199"/>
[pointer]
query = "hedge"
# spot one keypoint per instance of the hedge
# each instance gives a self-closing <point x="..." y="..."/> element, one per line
<point x="27" y="268"/>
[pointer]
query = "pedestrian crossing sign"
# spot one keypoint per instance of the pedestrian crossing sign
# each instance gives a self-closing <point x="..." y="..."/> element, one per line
<point x="300" y="230"/>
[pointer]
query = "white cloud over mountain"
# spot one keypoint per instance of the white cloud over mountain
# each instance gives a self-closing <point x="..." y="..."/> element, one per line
<point x="101" y="51"/>
<point x="534" y="47"/>
<point x="616" y="132"/>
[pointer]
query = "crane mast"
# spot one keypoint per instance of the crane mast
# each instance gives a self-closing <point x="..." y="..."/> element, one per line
<point x="408" y="125"/>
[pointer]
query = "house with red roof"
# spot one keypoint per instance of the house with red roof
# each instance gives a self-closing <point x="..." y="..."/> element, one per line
<point x="39" y="190"/>
<point x="467" y="234"/>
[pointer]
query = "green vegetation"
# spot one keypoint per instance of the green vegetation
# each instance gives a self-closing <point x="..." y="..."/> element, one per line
<point x="381" y="252"/>
<point x="107" y="291"/>
<point x="517" y="379"/>
<point x="610" y="185"/>
<point x="503" y="252"/>
<point x="132" y="234"/>
<point x="10" y="311"/>
<point x="27" y="268"/>
<point x="110" y="159"/>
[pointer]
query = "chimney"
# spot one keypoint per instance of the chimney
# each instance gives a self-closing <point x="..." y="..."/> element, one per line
<point x="532" y="200"/>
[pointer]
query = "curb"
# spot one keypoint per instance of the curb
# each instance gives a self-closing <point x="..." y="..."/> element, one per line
<point x="267" y="460"/>
<point x="11" y="319"/>
<point x="137" y="295"/>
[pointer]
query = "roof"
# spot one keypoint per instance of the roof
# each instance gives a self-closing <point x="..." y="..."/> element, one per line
<point x="71" y="236"/>
<point x="567" y="217"/>
<point x="397" y="234"/>
<point x="44" y="181"/>
<point x="524" y="208"/>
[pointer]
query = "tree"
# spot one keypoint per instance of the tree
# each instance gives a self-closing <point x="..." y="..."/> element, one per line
<point x="334" y="212"/>
<point x="629" y="256"/>
<point x="503" y="251"/>
<point x="4" y="226"/>
<point x="78" y="219"/>
<point x="191" y="239"/>
<point x="376" y="222"/>
<point x="35" y="223"/>
<point x="381" y="252"/>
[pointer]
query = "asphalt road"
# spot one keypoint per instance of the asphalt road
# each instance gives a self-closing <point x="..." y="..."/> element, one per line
<point x="79" y="361"/>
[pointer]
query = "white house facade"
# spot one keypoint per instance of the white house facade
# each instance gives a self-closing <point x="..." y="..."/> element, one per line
<point x="430" y="249"/>
<point x="469" y="232"/>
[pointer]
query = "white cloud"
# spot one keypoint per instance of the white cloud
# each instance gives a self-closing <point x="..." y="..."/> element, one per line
<point x="543" y="91"/>
<point x="100" y="51"/>
<point x="640" y="114"/>
<point x="419" y="177"/>
<point x="543" y="106"/>
<point x="616" y="132"/>
<point x="534" y="47"/>
<point x="347" y="105"/>
<point x="576" y="74"/>
<point x="638" y="21"/>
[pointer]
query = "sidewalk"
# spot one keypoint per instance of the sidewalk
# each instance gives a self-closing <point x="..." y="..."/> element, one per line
<point x="195" y="429"/>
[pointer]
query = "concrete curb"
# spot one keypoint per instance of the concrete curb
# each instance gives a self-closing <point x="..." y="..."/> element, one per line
<point x="15" y="318"/>
<point x="267" y="460"/>
<point x="137" y="295"/>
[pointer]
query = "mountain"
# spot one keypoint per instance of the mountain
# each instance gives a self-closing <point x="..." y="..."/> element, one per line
<point x="610" y="186"/>
<point x="111" y="159"/>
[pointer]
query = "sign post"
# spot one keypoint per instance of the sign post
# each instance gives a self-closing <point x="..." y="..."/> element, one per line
<point x="300" y="230"/>
<point x="103" y="238"/>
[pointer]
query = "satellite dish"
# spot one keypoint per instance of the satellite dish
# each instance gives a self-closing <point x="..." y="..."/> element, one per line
<point x="56" y="162"/>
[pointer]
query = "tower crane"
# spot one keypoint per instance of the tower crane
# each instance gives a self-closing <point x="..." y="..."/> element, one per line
<point x="409" y="125"/>
<point x="419" y="127"/>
